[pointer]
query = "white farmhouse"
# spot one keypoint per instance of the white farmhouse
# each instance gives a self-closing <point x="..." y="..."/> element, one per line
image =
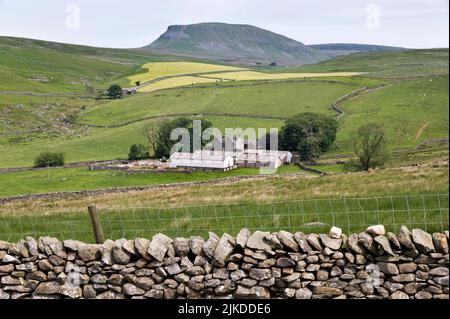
<point x="202" y="160"/>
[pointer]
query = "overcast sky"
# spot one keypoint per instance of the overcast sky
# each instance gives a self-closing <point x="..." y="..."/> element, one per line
<point x="135" y="23"/>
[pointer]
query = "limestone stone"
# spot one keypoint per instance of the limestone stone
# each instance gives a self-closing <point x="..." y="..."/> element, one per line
<point x="405" y="268"/>
<point x="120" y="255"/>
<point x="313" y="240"/>
<point x="422" y="241"/>
<point x="224" y="249"/>
<point x="211" y="244"/>
<point x="404" y="238"/>
<point x="331" y="243"/>
<point x="260" y="274"/>
<point x="256" y="292"/>
<point x="287" y="239"/>
<point x="273" y="241"/>
<point x="399" y="295"/>
<point x="182" y="246"/>
<point x="383" y="242"/>
<point x="388" y="268"/>
<point x="440" y="242"/>
<point x="376" y="230"/>
<point x="132" y="290"/>
<point x="335" y="232"/>
<point x="159" y="246"/>
<point x="89" y="252"/>
<point x="302" y="242"/>
<point x="439" y="271"/>
<point x="242" y="237"/>
<point x="327" y="291"/>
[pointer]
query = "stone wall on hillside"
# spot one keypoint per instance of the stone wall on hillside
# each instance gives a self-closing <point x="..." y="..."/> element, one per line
<point x="372" y="264"/>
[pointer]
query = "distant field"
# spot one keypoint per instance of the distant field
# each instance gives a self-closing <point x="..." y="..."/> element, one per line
<point x="78" y="179"/>
<point x="411" y="112"/>
<point x="162" y="69"/>
<point x="402" y="64"/>
<point x="270" y="99"/>
<point x="103" y="143"/>
<point x="252" y="75"/>
<point x="175" y="82"/>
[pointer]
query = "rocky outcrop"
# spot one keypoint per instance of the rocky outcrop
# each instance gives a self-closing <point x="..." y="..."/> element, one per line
<point x="372" y="265"/>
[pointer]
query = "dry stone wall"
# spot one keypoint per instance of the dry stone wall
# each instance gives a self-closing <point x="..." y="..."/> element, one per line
<point x="372" y="264"/>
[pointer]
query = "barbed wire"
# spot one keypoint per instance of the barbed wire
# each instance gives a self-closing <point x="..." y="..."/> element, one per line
<point x="353" y="214"/>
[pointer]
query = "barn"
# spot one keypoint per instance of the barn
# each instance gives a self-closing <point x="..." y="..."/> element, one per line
<point x="203" y="161"/>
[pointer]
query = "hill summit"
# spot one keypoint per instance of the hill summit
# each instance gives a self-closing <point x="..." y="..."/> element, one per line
<point x="233" y="43"/>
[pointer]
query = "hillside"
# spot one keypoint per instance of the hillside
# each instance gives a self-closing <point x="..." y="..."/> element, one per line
<point x="42" y="66"/>
<point x="399" y="64"/>
<point x="233" y="43"/>
<point x="338" y="49"/>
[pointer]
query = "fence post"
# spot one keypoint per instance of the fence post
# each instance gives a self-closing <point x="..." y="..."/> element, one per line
<point x="96" y="225"/>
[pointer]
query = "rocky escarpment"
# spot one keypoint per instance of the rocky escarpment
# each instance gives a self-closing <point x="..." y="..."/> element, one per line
<point x="372" y="264"/>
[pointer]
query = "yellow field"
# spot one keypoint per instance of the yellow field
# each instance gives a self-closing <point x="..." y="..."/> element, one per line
<point x="162" y="69"/>
<point x="175" y="82"/>
<point x="252" y="75"/>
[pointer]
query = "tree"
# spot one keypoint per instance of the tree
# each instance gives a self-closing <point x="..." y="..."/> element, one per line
<point x="115" y="91"/>
<point x="137" y="83"/>
<point x="309" y="134"/>
<point x="160" y="137"/>
<point x="138" y="152"/>
<point x="273" y="64"/>
<point x="48" y="159"/>
<point x="369" y="145"/>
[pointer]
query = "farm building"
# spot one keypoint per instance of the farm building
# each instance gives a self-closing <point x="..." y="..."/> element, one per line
<point x="130" y="91"/>
<point x="202" y="160"/>
<point x="262" y="158"/>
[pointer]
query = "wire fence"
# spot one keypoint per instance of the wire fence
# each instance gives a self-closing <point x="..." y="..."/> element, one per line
<point x="428" y="211"/>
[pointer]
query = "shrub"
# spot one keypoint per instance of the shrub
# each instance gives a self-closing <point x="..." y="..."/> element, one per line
<point x="161" y="140"/>
<point x="369" y="146"/>
<point x="138" y="152"/>
<point x="309" y="134"/>
<point x="48" y="159"/>
<point x="115" y="91"/>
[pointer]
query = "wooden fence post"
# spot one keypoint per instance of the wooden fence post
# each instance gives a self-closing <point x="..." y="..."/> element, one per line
<point x="96" y="225"/>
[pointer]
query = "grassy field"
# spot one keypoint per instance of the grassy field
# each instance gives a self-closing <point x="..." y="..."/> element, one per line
<point x="175" y="82"/>
<point x="288" y="99"/>
<point x="103" y="143"/>
<point x="253" y="75"/>
<point x="411" y="112"/>
<point x="157" y="70"/>
<point x="403" y="64"/>
<point x="381" y="197"/>
<point x="78" y="179"/>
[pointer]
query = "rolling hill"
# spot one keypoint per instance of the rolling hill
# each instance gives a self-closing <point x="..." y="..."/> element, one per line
<point x="242" y="44"/>
<point x="337" y="49"/>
